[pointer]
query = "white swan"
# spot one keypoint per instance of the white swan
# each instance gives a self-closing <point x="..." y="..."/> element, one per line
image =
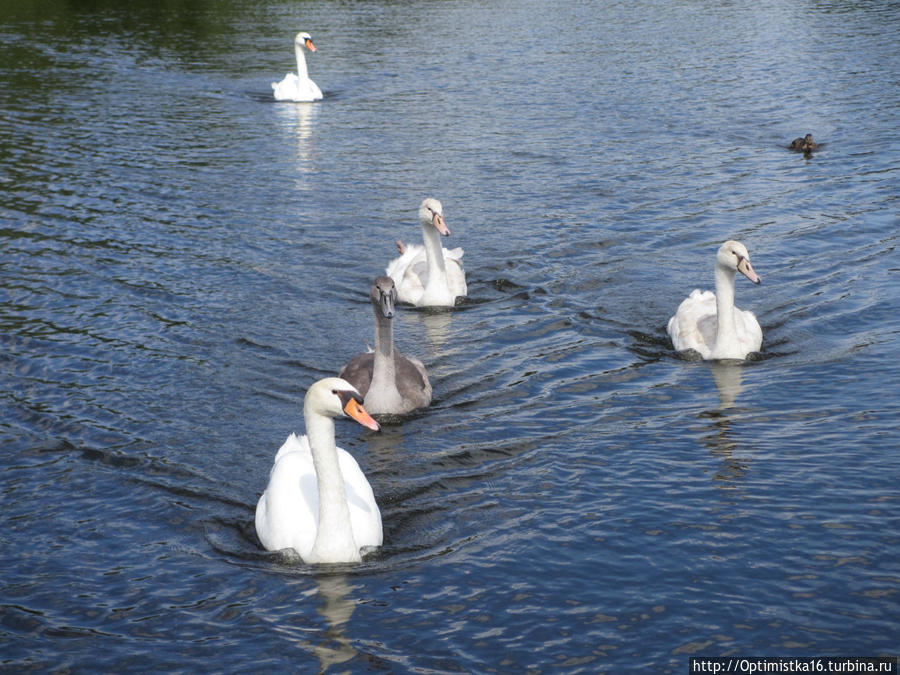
<point x="318" y="502"/>
<point x="390" y="382"/>
<point x="429" y="275"/>
<point x="298" y="87"/>
<point x="710" y="323"/>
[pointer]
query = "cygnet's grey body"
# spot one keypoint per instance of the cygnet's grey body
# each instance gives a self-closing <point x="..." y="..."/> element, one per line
<point x="390" y="382"/>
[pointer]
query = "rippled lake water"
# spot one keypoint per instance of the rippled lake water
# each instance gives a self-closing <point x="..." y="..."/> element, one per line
<point x="181" y="257"/>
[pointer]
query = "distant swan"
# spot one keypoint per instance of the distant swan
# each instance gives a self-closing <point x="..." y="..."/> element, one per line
<point x="710" y="323"/>
<point x="389" y="381"/>
<point x="805" y="145"/>
<point x="298" y="87"/>
<point x="318" y="502"/>
<point x="429" y="275"/>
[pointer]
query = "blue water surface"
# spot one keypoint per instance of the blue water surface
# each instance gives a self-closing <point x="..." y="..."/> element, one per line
<point x="181" y="257"/>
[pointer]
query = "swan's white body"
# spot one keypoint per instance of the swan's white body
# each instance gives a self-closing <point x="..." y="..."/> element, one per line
<point x="318" y="501"/>
<point x="390" y="382"/>
<point x="298" y="86"/>
<point x="429" y="275"/>
<point x="709" y="323"/>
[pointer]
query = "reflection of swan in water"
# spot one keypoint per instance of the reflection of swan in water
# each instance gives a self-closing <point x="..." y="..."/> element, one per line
<point x="338" y="603"/>
<point x="299" y="121"/>
<point x="305" y="115"/>
<point x="725" y="448"/>
<point x="727" y="376"/>
<point x="298" y="86"/>
<point x="437" y="324"/>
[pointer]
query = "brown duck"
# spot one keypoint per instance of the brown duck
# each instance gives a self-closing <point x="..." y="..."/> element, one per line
<point x="806" y="144"/>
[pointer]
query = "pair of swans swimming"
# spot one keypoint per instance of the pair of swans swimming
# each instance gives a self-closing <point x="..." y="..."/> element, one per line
<point x="318" y="502"/>
<point x="426" y="276"/>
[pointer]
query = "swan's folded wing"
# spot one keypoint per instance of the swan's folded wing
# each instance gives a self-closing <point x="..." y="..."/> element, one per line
<point x="453" y="253"/>
<point x="287" y="511"/>
<point x="293" y="443"/>
<point x="397" y="268"/>
<point x="690" y="327"/>
<point x="365" y="517"/>
<point x="456" y="275"/>
<point x="749" y="331"/>
<point x="358" y="372"/>
<point x="285" y="89"/>
<point x="409" y="273"/>
<point x="412" y="380"/>
<point x="292" y="88"/>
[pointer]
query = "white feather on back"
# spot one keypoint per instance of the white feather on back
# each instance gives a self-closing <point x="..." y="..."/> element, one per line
<point x="287" y="513"/>
<point x="292" y="88"/>
<point x="694" y="325"/>
<point x="410" y="272"/>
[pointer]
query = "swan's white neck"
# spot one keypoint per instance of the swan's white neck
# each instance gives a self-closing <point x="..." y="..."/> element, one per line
<point x="334" y="534"/>
<point x="302" y="73"/>
<point x="727" y="345"/>
<point x="437" y="288"/>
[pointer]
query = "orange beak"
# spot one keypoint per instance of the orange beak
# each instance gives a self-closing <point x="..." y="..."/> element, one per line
<point x="355" y="410"/>
<point x="439" y="225"/>
<point x="309" y="45"/>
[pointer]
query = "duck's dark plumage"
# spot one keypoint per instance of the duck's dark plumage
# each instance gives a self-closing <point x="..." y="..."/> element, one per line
<point x="805" y="144"/>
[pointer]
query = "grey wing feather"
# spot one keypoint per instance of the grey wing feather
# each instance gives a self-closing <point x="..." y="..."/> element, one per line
<point x="412" y="380"/>
<point x="358" y="372"/>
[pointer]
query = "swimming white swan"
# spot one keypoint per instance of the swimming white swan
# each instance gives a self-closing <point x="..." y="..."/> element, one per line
<point x="298" y="87"/>
<point x="389" y="381"/>
<point x="429" y="275"/>
<point x="318" y="502"/>
<point x="709" y="322"/>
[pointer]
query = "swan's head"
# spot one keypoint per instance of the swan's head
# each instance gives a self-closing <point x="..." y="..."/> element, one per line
<point x="432" y="213"/>
<point x="383" y="295"/>
<point x="304" y="40"/>
<point x="733" y="255"/>
<point x="334" y="397"/>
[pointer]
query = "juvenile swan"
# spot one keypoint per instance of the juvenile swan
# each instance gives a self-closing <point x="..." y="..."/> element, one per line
<point x="318" y="502"/>
<point x="710" y="323"/>
<point x="298" y="87"/>
<point x="429" y="275"/>
<point x="389" y="381"/>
